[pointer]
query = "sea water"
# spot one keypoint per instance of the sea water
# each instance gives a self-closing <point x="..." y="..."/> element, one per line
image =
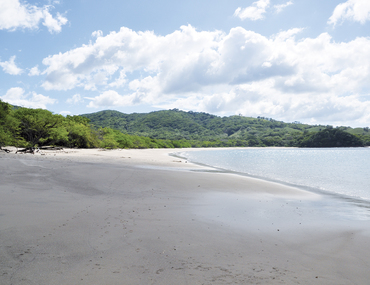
<point x="334" y="171"/>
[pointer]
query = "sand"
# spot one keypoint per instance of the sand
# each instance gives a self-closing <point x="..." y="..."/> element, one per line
<point x="144" y="217"/>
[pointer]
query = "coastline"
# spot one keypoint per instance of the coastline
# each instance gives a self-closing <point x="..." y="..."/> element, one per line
<point x="144" y="217"/>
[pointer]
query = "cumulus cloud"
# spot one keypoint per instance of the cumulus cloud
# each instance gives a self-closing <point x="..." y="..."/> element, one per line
<point x="253" y="12"/>
<point x="126" y="51"/>
<point x="111" y="98"/>
<point x="16" y="96"/>
<point x="279" y="8"/>
<point x="287" y="35"/>
<point x="65" y="113"/>
<point x="10" y="67"/>
<point x="262" y="99"/>
<point x="14" y="15"/>
<point x="191" y="60"/>
<point x="107" y="99"/>
<point x="240" y="71"/>
<point x="97" y="34"/>
<point x="34" y="71"/>
<point x="353" y="10"/>
<point x="75" y="99"/>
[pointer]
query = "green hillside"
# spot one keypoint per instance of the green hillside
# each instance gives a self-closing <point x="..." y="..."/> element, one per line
<point x="35" y="128"/>
<point x="203" y="129"/>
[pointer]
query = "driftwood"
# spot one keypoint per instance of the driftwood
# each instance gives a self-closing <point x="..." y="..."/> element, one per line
<point x="33" y="149"/>
<point x="51" y="148"/>
<point x="26" y="150"/>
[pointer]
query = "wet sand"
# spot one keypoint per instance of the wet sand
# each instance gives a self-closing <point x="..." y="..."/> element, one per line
<point x="143" y="217"/>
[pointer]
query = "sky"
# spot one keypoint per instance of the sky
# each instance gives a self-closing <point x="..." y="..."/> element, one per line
<point x="290" y="60"/>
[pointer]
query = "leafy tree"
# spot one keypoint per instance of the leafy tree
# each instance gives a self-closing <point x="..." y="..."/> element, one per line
<point x="331" y="137"/>
<point x="8" y="125"/>
<point x="80" y="133"/>
<point x="40" y="127"/>
<point x="107" y="138"/>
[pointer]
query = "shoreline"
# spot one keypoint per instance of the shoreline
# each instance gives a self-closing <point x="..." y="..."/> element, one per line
<point x="315" y="190"/>
<point x="144" y="217"/>
<point x="159" y="158"/>
<point x="167" y="159"/>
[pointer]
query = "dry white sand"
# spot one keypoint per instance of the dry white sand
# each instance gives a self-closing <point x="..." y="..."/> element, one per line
<point x="143" y="217"/>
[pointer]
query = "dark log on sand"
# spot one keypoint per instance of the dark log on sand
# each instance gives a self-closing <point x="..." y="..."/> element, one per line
<point x="50" y="148"/>
<point x="26" y="150"/>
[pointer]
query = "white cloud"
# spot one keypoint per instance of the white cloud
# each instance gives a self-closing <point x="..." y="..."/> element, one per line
<point x="10" y="67"/>
<point x="108" y="99"/>
<point x="14" y="15"/>
<point x="353" y="10"/>
<point x="287" y="35"/>
<point x="120" y="81"/>
<point x="254" y="12"/>
<point x="54" y="25"/>
<point x="262" y="99"/>
<point x="111" y="98"/>
<point x="240" y="71"/>
<point x="16" y="96"/>
<point x="279" y="8"/>
<point x="97" y="34"/>
<point x="75" y="99"/>
<point x="95" y="64"/>
<point x="34" y="71"/>
<point x="65" y="113"/>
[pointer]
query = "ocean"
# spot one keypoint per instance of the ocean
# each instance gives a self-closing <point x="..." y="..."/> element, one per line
<point x="333" y="171"/>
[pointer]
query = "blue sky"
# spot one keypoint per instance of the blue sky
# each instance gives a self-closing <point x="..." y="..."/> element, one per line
<point x="290" y="60"/>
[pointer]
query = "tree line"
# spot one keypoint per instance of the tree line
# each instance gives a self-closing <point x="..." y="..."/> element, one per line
<point x="200" y="129"/>
<point x="31" y="128"/>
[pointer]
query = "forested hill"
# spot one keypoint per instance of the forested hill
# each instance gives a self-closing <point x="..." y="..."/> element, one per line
<point x="35" y="128"/>
<point x="211" y="130"/>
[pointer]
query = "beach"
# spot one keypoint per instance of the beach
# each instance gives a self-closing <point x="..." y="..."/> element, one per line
<point x="90" y="216"/>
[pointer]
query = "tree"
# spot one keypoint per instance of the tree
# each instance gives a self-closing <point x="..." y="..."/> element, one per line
<point x="40" y="127"/>
<point x="80" y="132"/>
<point x="107" y="138"/>
<point x="331" y="137"/>
<point x="8" y="125"/>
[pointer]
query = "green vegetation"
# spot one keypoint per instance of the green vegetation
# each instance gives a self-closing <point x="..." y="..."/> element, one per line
<point x="331" y="138"/>
<point x="206" y="130"/>
<point x="30" y="128"/>
<point x="8" y="125"/>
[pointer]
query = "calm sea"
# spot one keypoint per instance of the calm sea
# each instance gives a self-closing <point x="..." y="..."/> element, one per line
<point x="339" y="171"/>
